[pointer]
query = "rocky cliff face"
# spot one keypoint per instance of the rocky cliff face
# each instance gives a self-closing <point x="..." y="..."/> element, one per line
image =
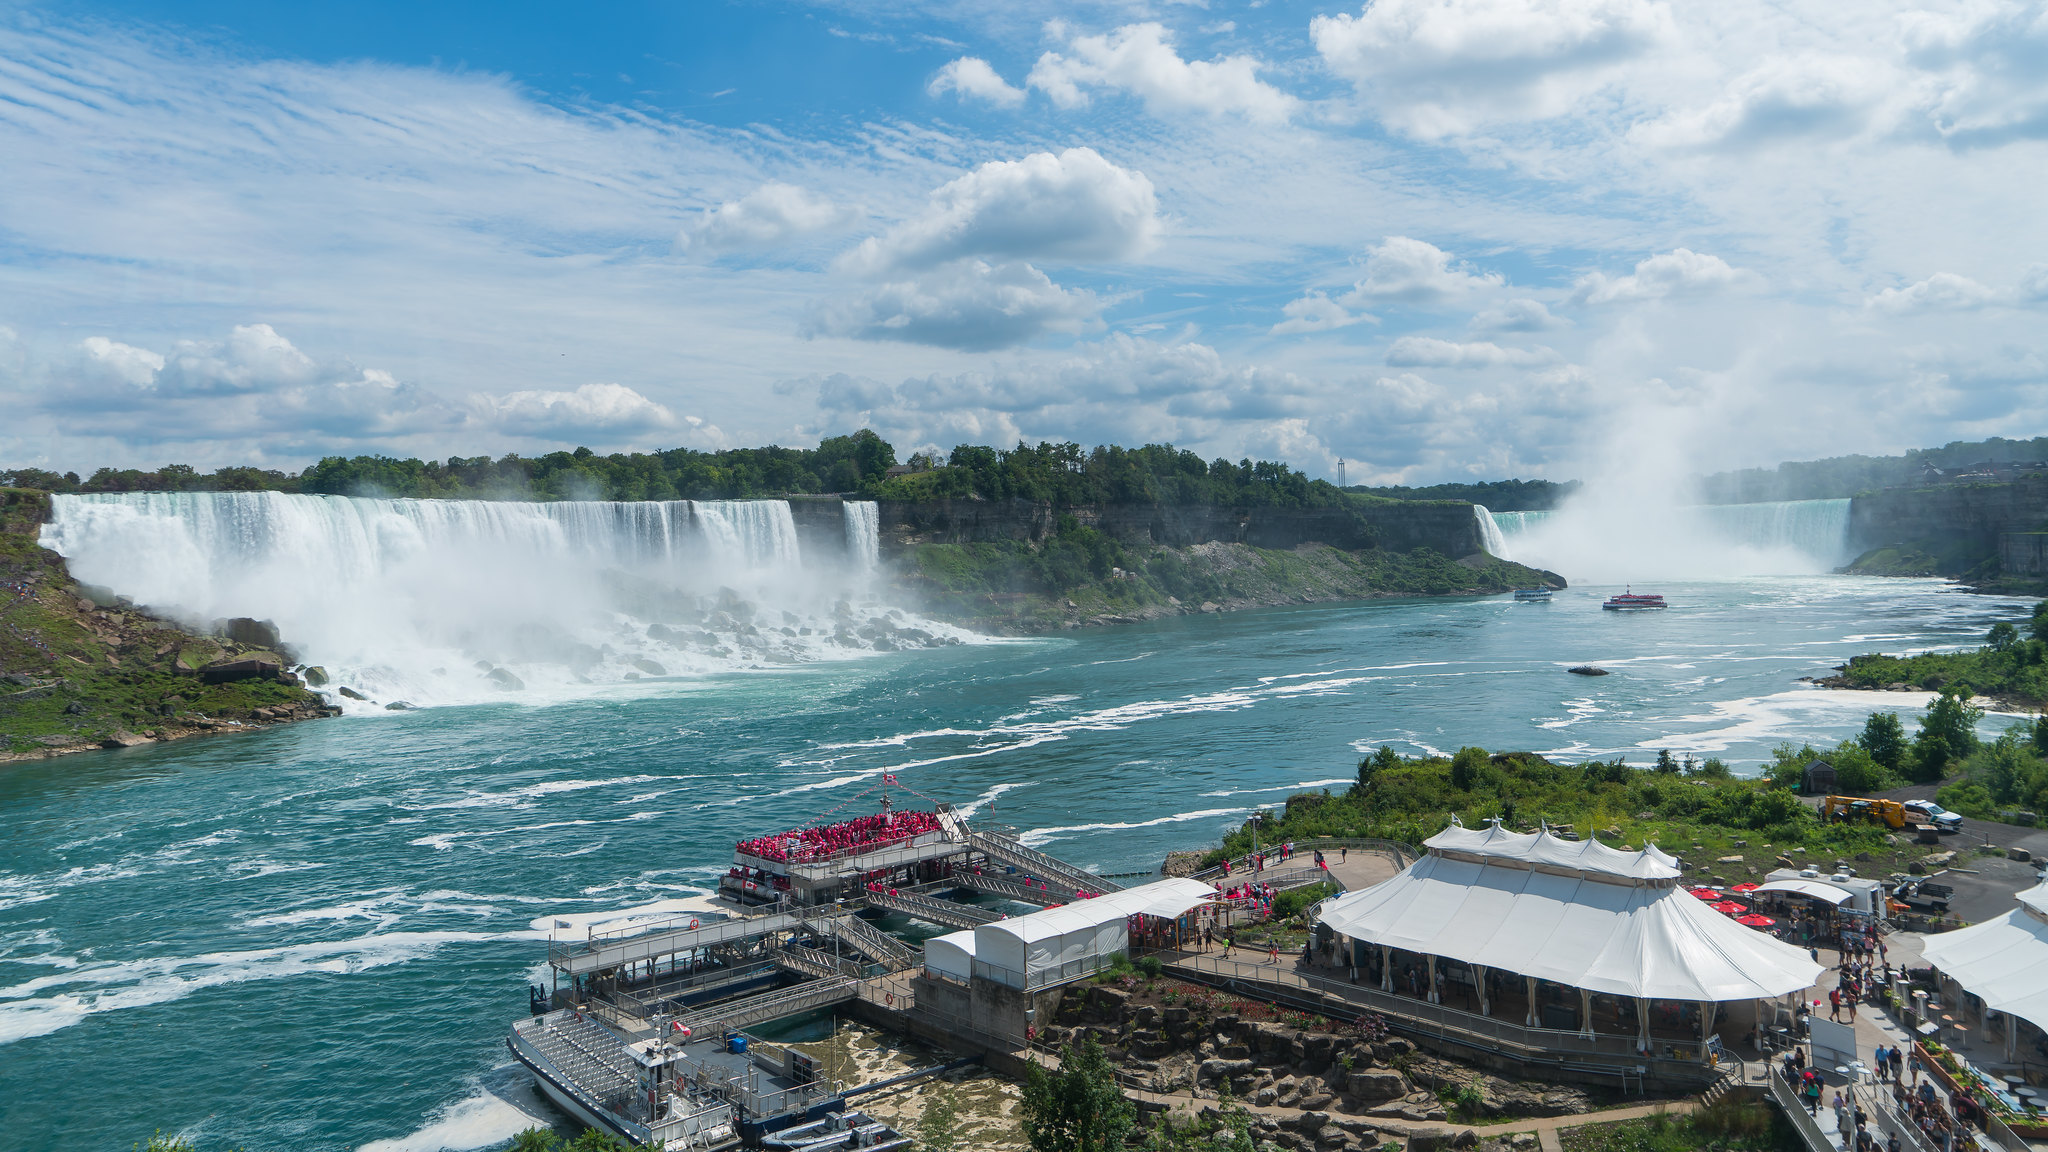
<point x="1446" y="528"/>
<point x="1958" y="525"/>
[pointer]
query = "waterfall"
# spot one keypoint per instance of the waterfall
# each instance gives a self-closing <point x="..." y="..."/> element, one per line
<point x="1596" y="538"/>
<point x="863" y="531"/>
<point x="1489" y="533"/>
<point x="423" y="599"/>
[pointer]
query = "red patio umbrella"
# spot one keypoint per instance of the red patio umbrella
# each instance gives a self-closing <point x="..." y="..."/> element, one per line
<point x="1746" y="886"/>
<point x="1756" y="920"/>
<point x="1730" y="908"/>
<point x="1707" y="893"/>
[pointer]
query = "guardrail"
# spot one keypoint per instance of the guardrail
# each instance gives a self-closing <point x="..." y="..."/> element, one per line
<point x="1605" y="1055"/>
<point x="1795" y="1110"/>
<point x="1011" y="889"/>
<point x="949" y="913"/>
<point x="1403" y="853"/>
<point x="1031" y="860"/>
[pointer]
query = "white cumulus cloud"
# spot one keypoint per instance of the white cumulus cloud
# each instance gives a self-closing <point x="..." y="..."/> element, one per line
<point x="1315" y="312"/>
<point x="1515" y="316"/>
<point x="591" y="408"/>
<point x="1680" y="271"/>
<point x="971" y="76"/>
<point x="1141" y="59"/>
<point x="125" y="363"/>
<point x="770" y="215"/>
<point x="1071" y="206"/>
<point x="1429" y="352"/>
<point x="966" y="304"/>
<point x="1435" y="68"/>
<point x="1943" y="291"/>
<point x="1403" y="268"/>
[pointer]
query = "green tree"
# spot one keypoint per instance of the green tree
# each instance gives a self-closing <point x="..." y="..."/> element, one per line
<point x="1467" y="767"/>
<point x="2002" y="637"/>
<point x="1948" y="733"/>
<point x="1079" y="1108"/>
<point x="1384" y="760"/>
<point x="1885" y="739"/>
<point x="1665" y="764"/>
<point x="938" y="1128"/>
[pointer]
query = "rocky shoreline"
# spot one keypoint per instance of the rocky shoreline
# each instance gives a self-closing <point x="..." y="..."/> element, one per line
<point x="81" y="669"/>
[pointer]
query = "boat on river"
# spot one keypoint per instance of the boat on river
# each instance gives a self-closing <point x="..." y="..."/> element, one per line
<point x="1632" y="601"/>
<point x="1540" y="595"/>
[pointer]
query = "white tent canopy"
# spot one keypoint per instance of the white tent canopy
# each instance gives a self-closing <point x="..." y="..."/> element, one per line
<point x="1818" y="889"/>
<point x="2004" y="961"/>
<point x="951" y="955"/>
<point x="1606" y="921"/>
<point x="1062" y="943"/>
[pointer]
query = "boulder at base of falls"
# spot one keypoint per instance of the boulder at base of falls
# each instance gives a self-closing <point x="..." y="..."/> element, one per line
<point x="650" y="667"/>
<point x="505" y="679"/>
<point x="1587" y="670"/>
<point x="254" y="633"/>
<point x="258" y="667"/>
<point x="353" y="694"/>
<point x="400" y="706"/>
<point x="316" y="676"/>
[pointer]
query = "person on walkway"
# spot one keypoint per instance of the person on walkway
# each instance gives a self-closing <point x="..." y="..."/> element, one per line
<point x="1835" y="1004"/>
<point x="1343" y="853"/>
<point x="1812" y="1091"/>
<point x="1275" y="950"/>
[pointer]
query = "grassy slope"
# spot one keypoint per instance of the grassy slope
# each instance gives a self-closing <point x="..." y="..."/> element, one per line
<point x="999" y="586"/>
<point x="1697" y="818"/>
<point x="78" y="675"/>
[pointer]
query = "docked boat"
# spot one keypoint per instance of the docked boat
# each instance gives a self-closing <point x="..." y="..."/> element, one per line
<point x="1540" y="595"/>
<point x="1632" y="601"/>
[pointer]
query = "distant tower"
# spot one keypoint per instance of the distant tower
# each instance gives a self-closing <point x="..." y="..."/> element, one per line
<point x="1340" y="472"/>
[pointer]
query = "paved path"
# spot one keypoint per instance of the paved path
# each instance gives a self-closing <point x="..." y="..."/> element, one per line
<point x="1358" y="867"/>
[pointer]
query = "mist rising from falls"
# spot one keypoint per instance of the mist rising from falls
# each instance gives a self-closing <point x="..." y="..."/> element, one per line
<point x="422" y="599"/>
<point x="1605" y="539"/>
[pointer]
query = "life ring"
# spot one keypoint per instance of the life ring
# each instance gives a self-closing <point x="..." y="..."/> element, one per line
<point x="889" y="998"/>
<point x="693" y="923"/>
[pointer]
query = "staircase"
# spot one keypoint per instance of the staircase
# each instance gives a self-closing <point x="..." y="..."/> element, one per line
<point x="948" y="913"/>
<point x="815" y="963"/>
<point x="876" y="945"/>
<point x="1046" y="868"/>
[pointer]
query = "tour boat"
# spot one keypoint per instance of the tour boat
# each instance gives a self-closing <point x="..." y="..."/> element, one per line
<point x="1542" y="594"/>
<point x="1630" y="600"/>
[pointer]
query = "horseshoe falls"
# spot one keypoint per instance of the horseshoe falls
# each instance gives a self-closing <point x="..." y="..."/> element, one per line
<point x="1607" y="539"/>
<point x="421" y="600"/>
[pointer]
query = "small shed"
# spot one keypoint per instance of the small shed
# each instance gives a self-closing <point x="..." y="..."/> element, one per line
<point x="1818" y="779"/>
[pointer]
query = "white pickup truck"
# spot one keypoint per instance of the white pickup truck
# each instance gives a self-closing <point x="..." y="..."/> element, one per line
<point x="1928" y="812"/>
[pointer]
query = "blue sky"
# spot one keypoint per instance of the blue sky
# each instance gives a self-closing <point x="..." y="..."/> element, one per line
<point x="1440" y="239"/>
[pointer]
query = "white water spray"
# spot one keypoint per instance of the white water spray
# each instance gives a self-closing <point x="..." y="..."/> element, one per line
<point x="425" y="600"/>
<point x="1611" y="541"/>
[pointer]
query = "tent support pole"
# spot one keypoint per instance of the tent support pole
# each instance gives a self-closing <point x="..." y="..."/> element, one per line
<point x="1529" y="982"/>
<point x="1433" y="997"/>
<point x="1706" y="1026"/>
<point x="1586" y="1013"/>
<point x="1643" y="1022"/>
<point x="1479" y="977"/>
<point x="1386" y="968"/>
<point x="2012" y="1036"/>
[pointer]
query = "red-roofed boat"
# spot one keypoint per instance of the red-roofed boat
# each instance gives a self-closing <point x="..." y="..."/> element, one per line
<point x="1630" y="601"/>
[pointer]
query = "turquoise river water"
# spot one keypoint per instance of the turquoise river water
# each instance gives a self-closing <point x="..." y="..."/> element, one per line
<point x="315" y="937"/>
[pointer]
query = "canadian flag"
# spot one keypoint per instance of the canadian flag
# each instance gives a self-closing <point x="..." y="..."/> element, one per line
<point x="888" y="779"/>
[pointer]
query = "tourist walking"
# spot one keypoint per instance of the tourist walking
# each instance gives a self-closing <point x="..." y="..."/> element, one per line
<point x="1835" y="1004"/>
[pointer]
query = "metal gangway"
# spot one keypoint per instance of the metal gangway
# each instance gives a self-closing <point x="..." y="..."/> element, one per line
<point x="999" y="847"/>
<point x="736" y="1014"/>
<point x="932" y="910"/>
<point x="873" y="943"/>
<point x="1012" y="890"/>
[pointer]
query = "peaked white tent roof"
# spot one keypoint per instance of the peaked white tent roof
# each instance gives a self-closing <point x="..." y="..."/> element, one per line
<point x="1541" y="850"/>
<point x="2004" y="960"/>
<point x="1608" y="921"/>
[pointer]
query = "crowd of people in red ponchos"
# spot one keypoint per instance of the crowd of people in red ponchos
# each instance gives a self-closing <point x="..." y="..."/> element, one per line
<point x="864" y="834"/>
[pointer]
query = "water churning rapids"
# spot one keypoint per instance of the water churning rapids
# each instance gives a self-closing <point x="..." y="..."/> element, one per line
<point x="423" y="600"/>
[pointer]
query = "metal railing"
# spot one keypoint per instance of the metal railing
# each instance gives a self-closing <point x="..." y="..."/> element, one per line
<point x="581" y="956"/>
<point x="813" y="962"/>
<point x="1403" y="854"/>
<point x="1883" y="1111"/>
<point x="1795" y="1110"/>
<point x="739" y="1013"/>
<point x="1608" y="1055"/>
<point x="646" y="1002"/>
<point x="1015" y="854"/>
<point x="879" y="946"/>
<point x="1012" y="890"/>
<point x="949" y="913"/>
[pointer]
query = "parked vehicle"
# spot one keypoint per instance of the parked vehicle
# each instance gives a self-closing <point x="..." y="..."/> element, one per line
<point x="1852" y="809"/>
<point x="1928" y="812"/>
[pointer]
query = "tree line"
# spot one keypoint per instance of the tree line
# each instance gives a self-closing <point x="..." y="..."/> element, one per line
<point x="1063" y="474"/>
